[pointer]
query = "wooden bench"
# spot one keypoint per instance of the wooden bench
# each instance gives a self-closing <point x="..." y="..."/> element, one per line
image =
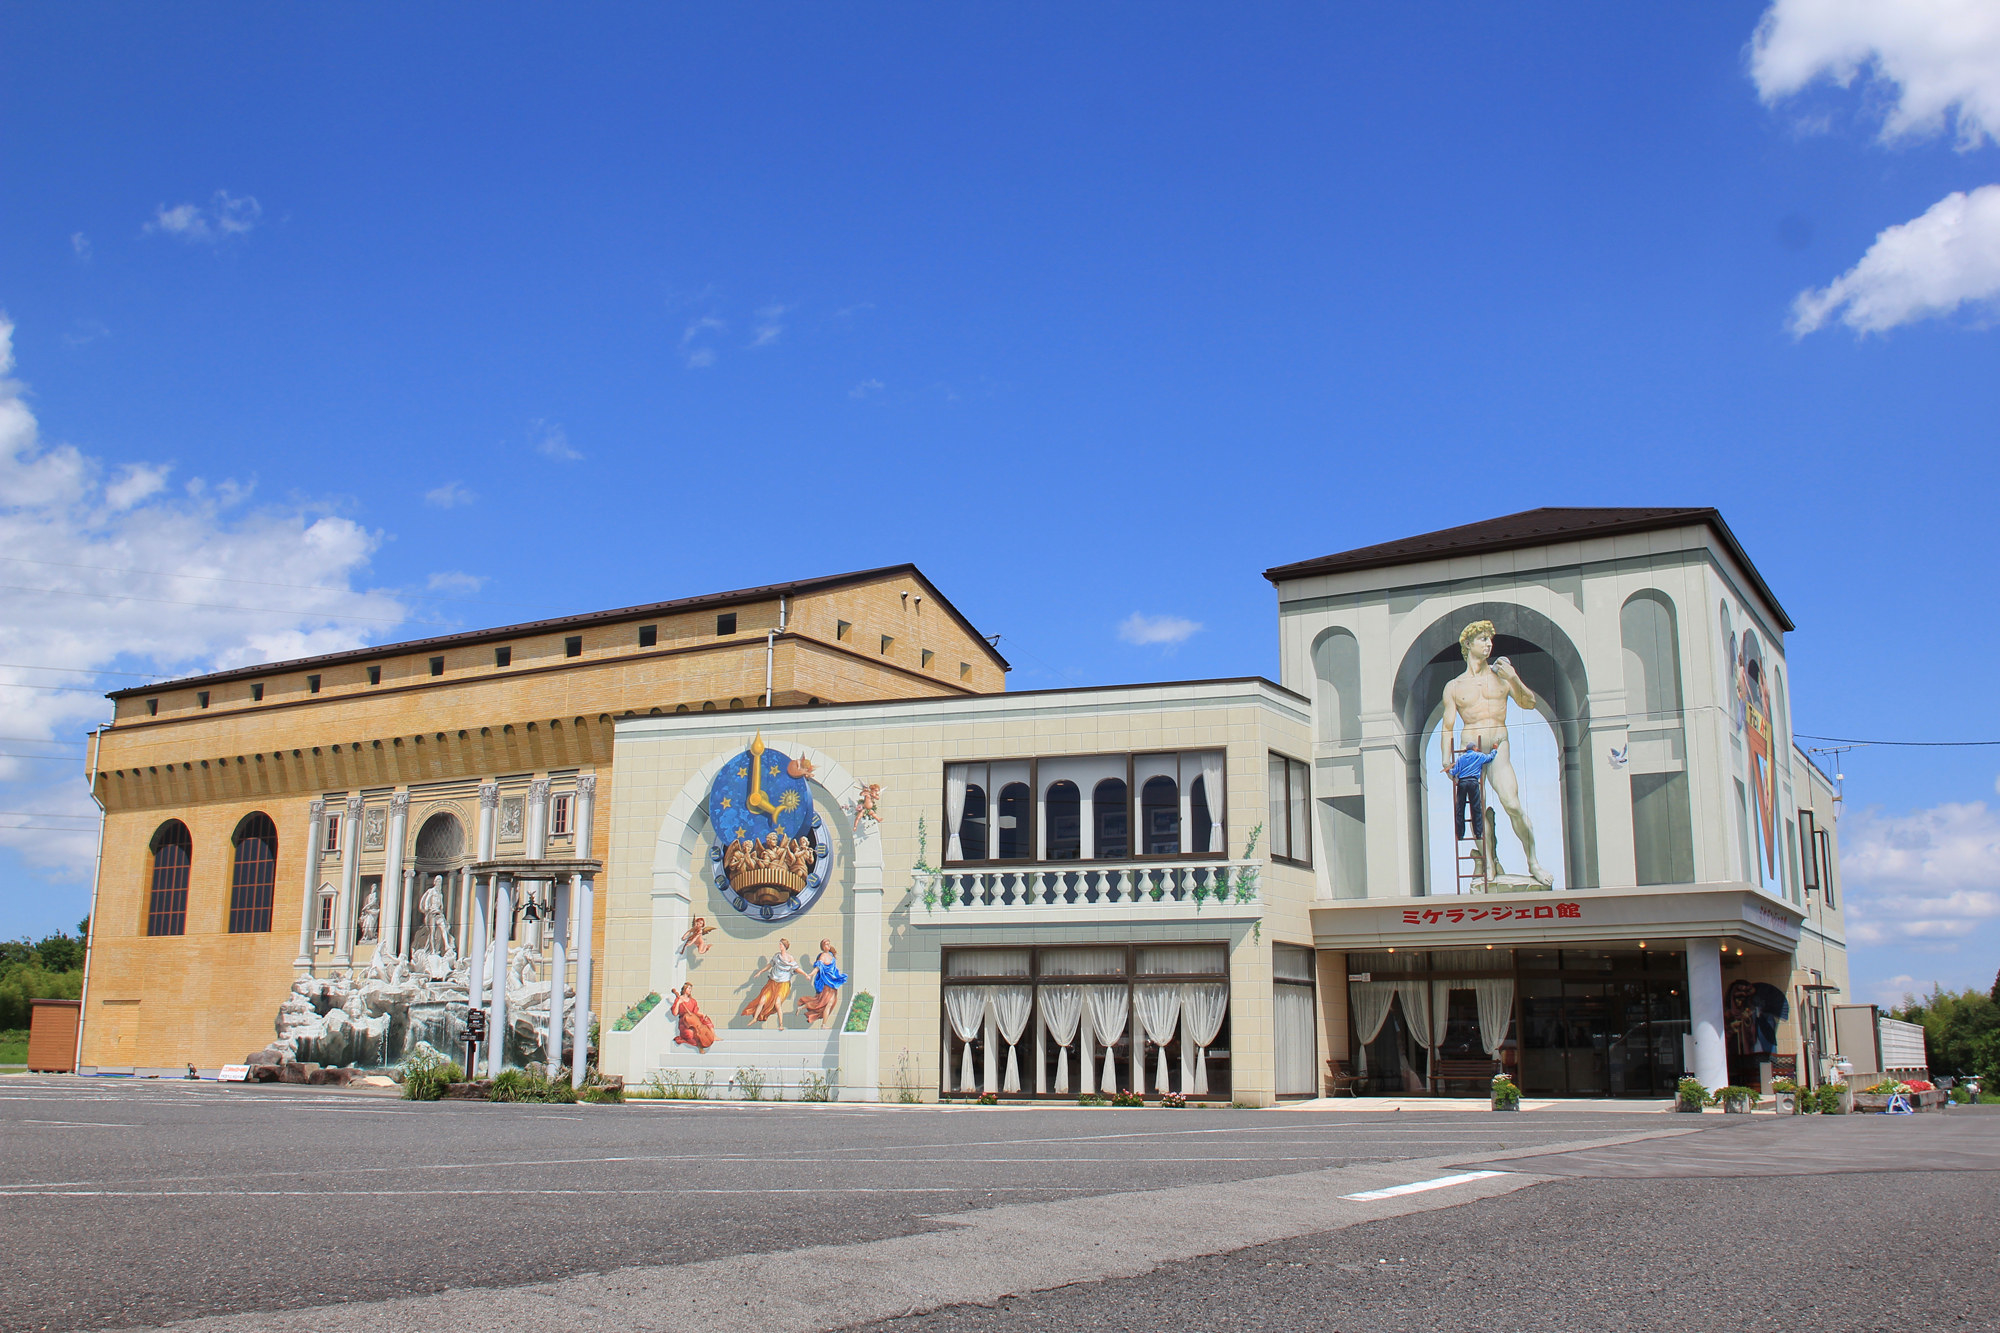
<point x="1340" y="1077"/>
<point x="1481" y="1071"/>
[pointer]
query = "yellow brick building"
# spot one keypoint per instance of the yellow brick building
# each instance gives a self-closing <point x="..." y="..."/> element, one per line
<point x="418" y="757"/>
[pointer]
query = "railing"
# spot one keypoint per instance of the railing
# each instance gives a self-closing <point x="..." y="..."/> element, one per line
<point x="1171" y="888"/>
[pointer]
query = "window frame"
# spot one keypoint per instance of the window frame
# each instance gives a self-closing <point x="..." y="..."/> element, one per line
<point x="1036" y="794"/>
<point x="649" y="636"/>
<point x="329" y="838"/>
<point x="573" y="646"/>
<point x="503" y="656"/>
<point x="170" y="920"/>
<point x="1825" y="847"/>
<point x="1293" y="767"/>
<point x="560" y="810"/>
<point x="725" y="624"/>
<point x="1809" y="877"/>
<point x="253" y="917"/>
<point x="437" y="665"/>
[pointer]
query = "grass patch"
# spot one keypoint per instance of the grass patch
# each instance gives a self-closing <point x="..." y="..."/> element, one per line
<point x="14" y="1046"/>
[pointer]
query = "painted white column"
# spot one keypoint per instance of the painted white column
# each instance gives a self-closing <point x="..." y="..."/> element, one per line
<point x="309" y="913"/>
<point x="1041" y="1055"/>
<point x="583" y="890"/>
<point x="406" y="908"/>
<point x="393" y="880"/>
<point x="584" y="894"/>
<point x="1087" y="812"/>
<point x="537" y="835"/>
<point x="350" y="882"/>
<point x="861" y="1052"/>
<point x="461" y="934"/>
<point x="1138" y="1031"/>
<point x="476" y="963"/>
<point x="503" y="912"/>
<point x="1711" y="1059"/>
<point x="1085" y="1051"/>
<point x="489" y="802"/>
<point x="559" y="900"/>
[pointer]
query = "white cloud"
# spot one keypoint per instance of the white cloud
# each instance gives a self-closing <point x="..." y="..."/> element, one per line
<point x="551" y="441"/>
<point x="701" y="358"/>
<point x="768" y="325"/>
<point x="449" y="496"/>
<point x="226" y="216"/>
<point x="456" y="582"/>
<point x="1157" y="631"/>
<point x="866" y="387"/>
<point x="1931" y="61"/>
<point x="110" y="567"/>
<point x="1929" y="876"/>
<point x="1929" y="266"/>
<point x="79" y="245"/>
<point x="698" y="356"/>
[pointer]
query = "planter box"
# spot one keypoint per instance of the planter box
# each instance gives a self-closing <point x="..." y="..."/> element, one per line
<point x="1867" y="1103"/>
<point x="1506" y="1106"/>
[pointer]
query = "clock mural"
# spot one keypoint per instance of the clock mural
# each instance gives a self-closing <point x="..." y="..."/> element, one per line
<point x="772" y="856"/>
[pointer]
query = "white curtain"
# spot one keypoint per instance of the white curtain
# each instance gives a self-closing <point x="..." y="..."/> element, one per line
<point x="1417" y="1010"/>
<point x="1159" y="1007"/>
<point x="954" y="810"/>
<point x="1011" y="1007"/>
<point x="1441" y="1012"/>
<point x="1296" y="1043"/>
<point x="1062" y="1010"/>
<point x="1211" y="785"/>
<point x="1179" y="958"/>
<point x="966" y="1007"/>
<point x="1107" y="1025"/>
<point x="1203" y="1003"/>
<point x="986" y="963"/>
<point x="1496" y="1010"/>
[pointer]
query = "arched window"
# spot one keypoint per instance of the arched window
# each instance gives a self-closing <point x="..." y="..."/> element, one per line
<point x="708" y="707"/>
<point x="1160" y="816"/>
<point x="1337" y="664"/>
<point x="167" y="903"/>
<point x="1113" y="840"/>
<point x="681" y="708"/>
<point x="1652" y="656"/>
<point x="972" y="826"/>
<point x="735" y="703"/>
<point x="253" y="884"/>
<point x="1016" y="807"/>
<point x="1063" y="808"/>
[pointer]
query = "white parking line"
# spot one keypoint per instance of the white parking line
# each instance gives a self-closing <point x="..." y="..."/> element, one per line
<point x="1419" y="1186"/>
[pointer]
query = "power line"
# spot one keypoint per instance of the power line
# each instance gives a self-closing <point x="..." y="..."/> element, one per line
<point x="294" y="612"/>
<point x="73" y="689"/>
<point x="80" y="671"/>
<point x="1929" y="745"/>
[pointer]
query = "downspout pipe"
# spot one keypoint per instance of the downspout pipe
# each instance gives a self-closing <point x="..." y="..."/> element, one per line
<point x="96" y="884"/>
<point x="770" y="649"/>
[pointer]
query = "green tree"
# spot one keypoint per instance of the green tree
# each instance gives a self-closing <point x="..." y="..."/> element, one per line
<point x="1961" y="1030"/>
<point x="60" y="952"/>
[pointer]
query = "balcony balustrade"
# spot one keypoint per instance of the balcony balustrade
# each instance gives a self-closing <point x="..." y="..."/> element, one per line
<point x="1076" y="891"/>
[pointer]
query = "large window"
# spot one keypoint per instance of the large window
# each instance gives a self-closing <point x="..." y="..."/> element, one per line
<point x="173" y="857"/>
<point x="253" y="884"/>
<point x="1064" y="1021"/>
<point x="1106" y="807"/>
<point x="1290" y="829"/>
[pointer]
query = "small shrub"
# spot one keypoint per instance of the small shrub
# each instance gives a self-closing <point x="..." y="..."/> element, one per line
<point x="906" y="1079"/>
<point x="425" y="1077"/>
<point x="1172" y="1101"/>
<point x="1127" y="1099"/>
<point x="989" y="1099"/>
<point x="751" y="1083"/>
<point x="817" y="1087"/>
<point x="1690" y="1094"/>
<point x="508" y="1085"/>
<point x="1827" y="1097"/>
<point x="1506" y="1093"/>
<point x="1090" y="1099"/>
<point x="604" y="1094"/>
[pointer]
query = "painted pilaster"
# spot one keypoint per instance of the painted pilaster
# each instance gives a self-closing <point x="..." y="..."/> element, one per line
<point x="309" y="910"/>
<point x="397" y="941"/>
<point x="559" y="900"/>
<point x="861" y="1052"/>
<point x="350" y="882"/>
<point x="537" y="832"/>
<point x="503" y="912"/>
<point x="476" y="964"/>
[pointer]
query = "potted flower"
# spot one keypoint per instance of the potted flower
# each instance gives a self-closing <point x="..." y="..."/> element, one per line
<point x="1690" y="1095"/>
<point x="1786" y="1096"/>
<point x="1172" y="1101"/>
<point x="1506" y="1094"/>
<point x="1735" y="1099"/>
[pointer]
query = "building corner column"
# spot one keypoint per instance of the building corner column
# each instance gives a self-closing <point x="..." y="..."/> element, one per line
<point x="390" y="932"/>
<point x="350" y="883"/>
<point x="309" y="910"/>
<point x="1705" y="1012"/>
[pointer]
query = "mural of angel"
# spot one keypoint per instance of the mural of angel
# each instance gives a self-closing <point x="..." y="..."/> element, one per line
<point x="771" y="999"/>
<point x="866" y="802"/>
<point x="694" y="1028"/>
<point x="697" y="936"/>
<point x="827" y="981"/>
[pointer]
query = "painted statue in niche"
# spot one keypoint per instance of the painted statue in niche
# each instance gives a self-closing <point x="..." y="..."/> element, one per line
<point x="692" y="1026"/>
<point x="1477" y="701"/>
<point x="770" y="1001"/>
<point x="371" y="914"/>
<point x="827" y="979"/>
<point x="510" y="819"/>
<point x="772" y="856"/>
<point x="374" y="830"/>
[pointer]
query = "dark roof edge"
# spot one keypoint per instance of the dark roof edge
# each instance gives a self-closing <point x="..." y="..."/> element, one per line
<point x="466" y="638"/>
<point x="1018" y="694"/>
<point x="1677" y="519"/>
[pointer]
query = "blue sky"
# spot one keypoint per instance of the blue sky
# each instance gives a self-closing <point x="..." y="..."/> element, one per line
<point x="465" y="315"/>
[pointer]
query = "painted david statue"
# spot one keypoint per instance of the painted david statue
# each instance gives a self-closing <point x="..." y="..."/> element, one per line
<point x="1478" y="700"/>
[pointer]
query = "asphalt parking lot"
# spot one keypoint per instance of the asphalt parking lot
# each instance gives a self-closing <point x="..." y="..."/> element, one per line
<point x="138" y="1204"/>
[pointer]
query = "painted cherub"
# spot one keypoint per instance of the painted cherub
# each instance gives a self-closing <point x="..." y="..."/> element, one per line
<point x="866" y="802"/>
<point x="697" y="936"/>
